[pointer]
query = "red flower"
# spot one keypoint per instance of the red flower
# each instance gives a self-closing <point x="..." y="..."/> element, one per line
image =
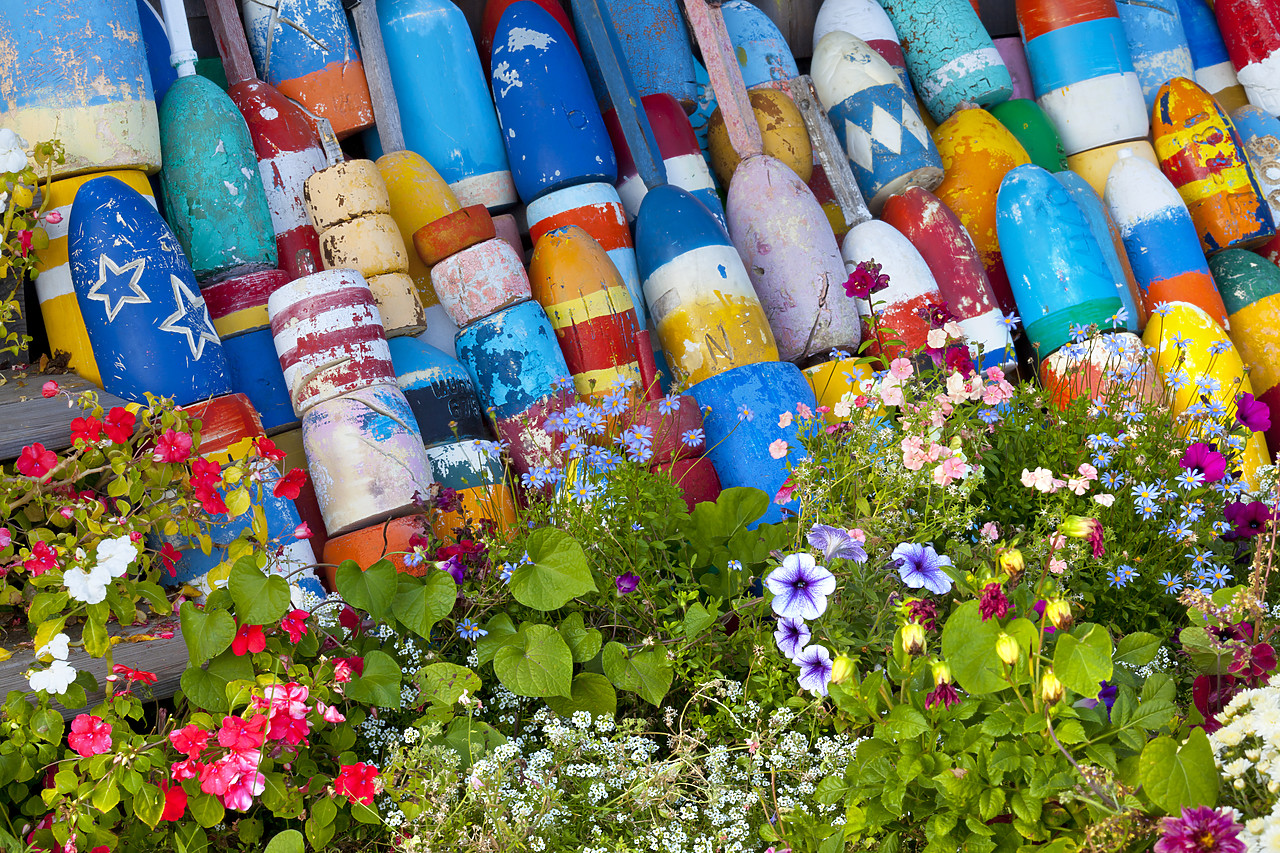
<point x="993" y="603"/>
<point x="42" y="559"/>
<point x="189" y="740"/>
<point x="170" y="556"/>
<point x="249" y="638"/>
<point x="267" y="450"/>
<point x="357" y="782"/>
<point x="290" y="485"/>
<point x="35" y="461"/>
<point x="1210" y="694"/>
<point x="295" y="624"/>
<point x="175" y="802"/>
<point x="344" y="668"/>
<point x="49" y="389"/>
<point x="89" y="736"/>
<point x="211" y="500"/>
<point x="349" y="619"/>
<point x="119" y="424"/>
<point x="24" y="241"/>
<point x="205" y="472"/>
<point x="943" y="694"/>
<point x="173" y="446"/>
<point x="88" y="430"/>
<point x="139" y="675"/>
<point x="302" y="531"/>
<point x="1252" y="664"/>
<point x="188" y="769"/>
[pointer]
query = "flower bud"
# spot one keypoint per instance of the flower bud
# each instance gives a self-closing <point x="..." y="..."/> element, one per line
<point x="1007" y="648"/>
<point x="1051" y="688"/>
<point x="1011" y="562"/>
<point x="841" y="669"/>
<point x="941" y="672"/>
<point x="1077" y="526"/>
<point x="1058" y="612"/>
<point x="913" y="638"/>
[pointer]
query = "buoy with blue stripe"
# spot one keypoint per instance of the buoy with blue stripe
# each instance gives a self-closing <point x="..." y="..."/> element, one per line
<point x="439" y="391"/>
<point x="1214" y="70"/>
<point x="254" y="371"/>
<point x="868" y="21"/>
<point x="1056" y="267"/>
<point x="1260" y="135"/>
<point x="1112" y="246"/>
<point x="157" y="43"/>
<point x="551" y="124"/>
<point x="147" y="322"/>
<point x="763" y="54"/>
<point x="1157" y="44"/>
<point x="1083" y="75"/>
<point x="1250" y="289"/>
<point x="1201" y="154"/>
<point x="700" y="298"/>
<point x="903" y="310"/>
<point x="78" y="72"/>
<point x="654" y="41"/>
<point x="1251" y="31"/>
<point x="951" y="58"/>
<point x="442" y="91"/>
<point x="1160" y="238"/>
<point x="474" y="471"/>
<point x="886" y="142"/>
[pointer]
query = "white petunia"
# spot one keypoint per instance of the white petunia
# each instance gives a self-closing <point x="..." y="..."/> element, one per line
<point x="13" y="154"/>
<point x="58" y="647"/>
<point x="56" y="679"/>
<point x="116" y="555"/>
<point x="89" y="587"/>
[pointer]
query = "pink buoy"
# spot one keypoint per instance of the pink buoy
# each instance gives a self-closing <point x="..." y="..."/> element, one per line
<point x="480" y="280"/>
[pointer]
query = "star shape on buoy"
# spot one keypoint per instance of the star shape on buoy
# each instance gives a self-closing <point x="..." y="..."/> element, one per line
<point x="191" y="318"/>
<point x="109" y="289"/>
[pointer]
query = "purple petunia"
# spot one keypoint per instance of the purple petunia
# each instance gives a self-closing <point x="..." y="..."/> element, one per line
<point x="815" y="669"/>
<point x="1247" y="519"/>
<point x="1252" y="414"/>
<point x="626" y="583"/>
<point x="1204" y="459"/>
<point x="835" y="543"/>
<point x="791" y="636"/>
<point x="1200" y="830"/>
<point x="800" y="587"/>
<point x="921" y="566"/>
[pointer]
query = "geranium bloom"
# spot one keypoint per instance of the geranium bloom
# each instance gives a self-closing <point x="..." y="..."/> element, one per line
<point x="815" y="668"/>
<point x="792" y="635"/>
<point x="172" y="446"/>
<point x="921" y="566"/>
<point x="249" y="638"/>
<point x="36" y="461"/>
<point x="267" y="449"/>
<point x="1203" y="458"/>
<point x="88" y="430"/>
<point x="42" y="559"/>
<point x="358" y="782"/>
<point x="836" y="543"/>
<point x="170" y="556"/>
<point x="49" y="389"/>
<point x="89" y="736"/>
<point x="1253" y="415"/>
<point x="951" y="469"/>
<point x="294" y="624"/>
<point x="800" y="587"/>
<point x="1040" y="479"/>
<point x="119" y="424"/>
<point x="189" y="740"/>
<point x="1200" y="830"/>
<point x="290" y="485"/>
<point x="865" y="280"/>
<point x="993" y="602"/>
<point x="243" y="737"/>
<point x="175" y="801"/>
<point x="345" y="668"/>
<point x="287" y="709"/>
<point x="329" y="713"/>
<point x="187" y="769"/>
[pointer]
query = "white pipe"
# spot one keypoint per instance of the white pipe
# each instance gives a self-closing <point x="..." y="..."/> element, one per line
<point x="182" y="56"/>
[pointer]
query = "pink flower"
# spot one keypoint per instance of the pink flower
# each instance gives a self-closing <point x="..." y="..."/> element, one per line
<point x="302" y="531"/>
<point x="949" y="471"/>
<point x="937" y="339"/>
<point x="286" y="707"/>
<point x="189" y="740"/>
<point x="779" y="448"/>
<point x="1105" y="500"/>
<point x="1087" y="471"/>
<point x="89" y="736"/>
<point x="891" y="394"/>
<point x="243" y="788"/>
<point x="172" y="446"/>
<point x="1057" y="566"/>
<point x="804" y="411"/>
<point x="1200" y="830"/>
<point x="341" y="671"/>
<point x="242" y="737"/>
<point x="329" y="713"/>
<point x="857" y="534"/>
<point x="5" y="537"/>
<point x="53" y="217"/>
<point x="357" y="781"/>
<point x="901" y="368"/>
<point x="913" y="457"/>
<point x="784" y="421"/>
<point x="990" y="531"/>
<point x="188" y="769"/>
<point x="1079" y="485"/>
<point x="295" y="624"/>
<point x="785" y="492"/>
<point x="1040" y="479"/>
<point x="49" y="389"/>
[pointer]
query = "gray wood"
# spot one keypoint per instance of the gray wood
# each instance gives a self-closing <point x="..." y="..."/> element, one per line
<point x="794" y="19"/>
<point x="26" y="416"/>
<point x="830" y="153"/>
<point x="386" y="111"/>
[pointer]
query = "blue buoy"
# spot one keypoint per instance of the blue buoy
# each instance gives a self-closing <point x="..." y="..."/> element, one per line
<point x="655" y="43"/>
<point x="439" y="391"/>
<point x="512" y="356"/>
<point x="255" y="372"/>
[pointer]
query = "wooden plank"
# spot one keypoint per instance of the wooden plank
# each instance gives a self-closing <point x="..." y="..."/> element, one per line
<point x="233" y="46"/>
<point x="707" y="24"/>
<point x="26" y="416"/>
<point x="386" y="111"/>
<point x="829" y="151"/>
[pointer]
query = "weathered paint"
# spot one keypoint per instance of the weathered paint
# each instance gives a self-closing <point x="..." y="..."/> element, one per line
<point x="737" y="440"/>
<point x="1251" y="31"/>
<point x="951" y="58"/>
<point x="469" y="469"/>
<point x="701" y="301"/>
<point x="63" y="322"/>
<point x="417" y="196"/>
<point x="397" y="299"/>
<point x="793" y="260"/>
<point x="832" y="182"/>
<point x="461" y="465"/>
<point x="944" y="244"/>
<point x="213" y="195"/>
<point x="1201" y="154"/>
<point x="1055" y="264"/>
<point x="1112" y="246"/>
<point x="1214" y="70"/>
<point x="875" y="120"/>
<point x="389" y="539"/>
<point x="551" y="124"/>
<point x="439" y="391"/>
<point x="763" y="54"/>
<point x="78" y="72"/>
<point x="513" y="358"/>
<point x="1250" y="289"/>
<point x="156" y="41"/>
<point x="1094" y="166"/>
<point x="589" y="308"/>
<point x="1160" y="238"/>
<point x="782" y="131"/>
<point x="493" y="10"/>
<point x="329" y="337"/>
<point x="866" y="20"/>
<point x="225" y="420"/>
<point x="442" y="90"/>
<point x="1157" y="44"/>
<point x="838" y="381"/>
<point x="1188" y="344"/>
<point x="724" y="68"/>
<point x="479" y="281"/>
<point x="371" y="245"/>
<point x="1015" y="59"/>
<point x="902" y="310"/>
<point x="528" y="443"/>
<point x="655" y="46"/>
<point x="1082" y="73"/>
<point x="1033" y="130"/>
<point x="704" y="107"/>
<point x="1101" y="367"/>
<point x="367" y="460"/>
<point x="506" y="228"/>
<point x="306" y="50"/>
<point x="1260" y="135"/>
<point x="239" y="304"/>
<point x="255" y="372"/>
<point x="697" y="479"/>
<point x="148" y="324"/>
<point x="452" y="233"/>
<point x="343" y="192"/>
<point x="977" y="152"/>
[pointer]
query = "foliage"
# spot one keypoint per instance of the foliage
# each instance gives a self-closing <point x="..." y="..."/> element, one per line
<point x="22" y="236"/>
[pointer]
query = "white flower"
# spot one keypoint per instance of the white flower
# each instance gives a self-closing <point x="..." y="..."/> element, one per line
<point x="56" y="648"/>
<point x="937" y="338"/>
<point x="89" y="587"/>
<point x="13" y="153"/>
<point x="1105" y="500"/>
<point x="116" y="555"/>
<point x="56" y="679"/>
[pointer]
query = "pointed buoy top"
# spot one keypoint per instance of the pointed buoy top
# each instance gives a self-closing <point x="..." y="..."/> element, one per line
<point x="670" y="223"/>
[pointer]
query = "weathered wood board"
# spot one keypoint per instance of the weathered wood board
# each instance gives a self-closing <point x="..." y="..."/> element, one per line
<point x="26" y="416"/>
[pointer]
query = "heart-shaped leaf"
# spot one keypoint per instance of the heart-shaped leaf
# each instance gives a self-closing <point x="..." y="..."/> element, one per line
<point x="372" y="590"/>
<point x="206" y="633"/>
<point x="260" y="599"/>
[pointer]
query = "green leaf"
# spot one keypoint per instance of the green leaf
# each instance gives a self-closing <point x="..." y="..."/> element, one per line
<point x="712" y="523"/>
<point x="260" y="599"/>
<point x="288" y="841"/>
<point x="207" y="688"/>
<point x="206" y="809"/>
<point x="443" y="683"/>
<point x="420" y="604"/>
<point x="1175" y="776"/>
<point x="1082" y="660"/>
<point x="904" y="723"/>
<point x="583" y="642"/>
<point x="591" y="692"/>
<point x="1137" y="649"/>
<point x="372" y="590"/>
<point x="647" y="673"/>
<point x="969" y="646"/>
<point x="536" y="661"/>
<point x="96" y="641"/>
<point x="205" y="633"/>
<point x="557" y="573"/>
<point x="379" y="684"/>
<point x="696" y="620"/>
<point x="148" y="804"/>
<point x="471" y="739"/>
<point x="500" y="630"/>
<point x="106" y="793"/>
<point x="1205" y="651"/>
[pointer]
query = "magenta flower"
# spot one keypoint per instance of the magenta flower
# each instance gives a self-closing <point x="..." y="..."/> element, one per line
<point x="1248" y="519"/>
<point x="1200" y="830"/>
<point x="866" y="280"/>
<point x="1252" y="414"/>
<point x="1204" y="459"/>
<point x="993" y="602"/>
<point x="626" y="583"/>
<point x="800" y="587"/>
<point x="945" y="693"/>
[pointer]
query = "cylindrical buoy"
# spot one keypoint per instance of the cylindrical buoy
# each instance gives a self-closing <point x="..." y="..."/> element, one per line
<point x="1057" y="34"/>
<point x="887" y="144"/>
<point x="701" y="301"/>
<point x="254" y="370"/>
<point x="1160" y="238"/>
<point x="1260" y="135"/>
<point x="390" y="539"/>
<point x="1251" y="31"/>
<point x="589" y="308"/>
<point x="452" y="233"/>
<point x="513" y="358"/>
<point x="670" y="431"/>
<point x="77" y="72"/>
<point x="781" y="128"/>
<point x="1033" y="130"/>
<point x="655" y="47"/>
<point x="836" y="384"/>
<point x="1112" y="246"/>
<point x="366" y="457"/>
<point x="1250" y="289"/>
<point x="1157" y="44"/>
<point x="950" y="55"/>
<point x="1055" y="265"/>
<point x="493" y="10"/>
<point x="239" y="304"/>
<point x="343" y="192"/>
<point x="1015" y="59"/>
<point x="937" y="234"/>
<point x="306" y="50"/>
<point x="439" y="391"/>
<point x="1200" y="153"/>
<point x="478" y="478"/>
<point x="445" y="108"/>
<point x="1102" y="368"/>
<point x="1214" y="70"/>
<point x="397" y="299"/>
<point x="478" y="281"/>
<point x="793" y="260"/>
<point x="371" y="244"/>
<point x="1094" y="166"/>
<point x="328" y="337"/>
<point x="903" y="309"/>
<point x="551" y="124"/>
<point x="868" y="21"/>
<point x="763" y="53"/>
<point x="148" y="325"/>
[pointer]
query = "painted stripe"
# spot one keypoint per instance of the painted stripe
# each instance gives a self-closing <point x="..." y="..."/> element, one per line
<point x="357" y="298"/>
<point x="632" y="191"/>
<point x="53" y="283"/>
<point x="462" y="465"/>
<point x="1036" y="19"/>
<point x="1215" y="78"/>
<point x="242" y="292"/>
<point x="672" y="225"/>
<point x="248" y="320"/>
<point x="598" y="303"/>
<point x="1085" y="51"/>
<point x="706" y="273"/>
<point x="960" y="69"/>
<point x="606" y="220"/>
<point x="283" y="176"/>
<point x="598" y="383"/>
<point x="990" y="331"/>
<point x="493" y="190"/>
